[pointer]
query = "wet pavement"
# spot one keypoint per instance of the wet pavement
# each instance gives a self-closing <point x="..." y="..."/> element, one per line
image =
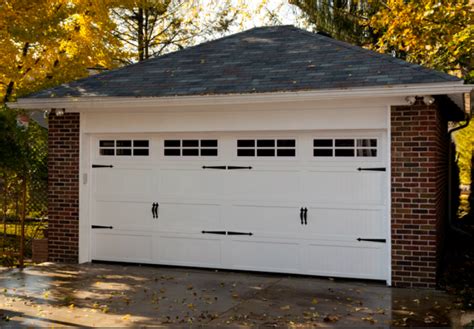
<point x="111" y="295"/>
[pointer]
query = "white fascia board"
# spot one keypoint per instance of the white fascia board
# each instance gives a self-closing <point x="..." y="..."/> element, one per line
<point x="79" y="104"/>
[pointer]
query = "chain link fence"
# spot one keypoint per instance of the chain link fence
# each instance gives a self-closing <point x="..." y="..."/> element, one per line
<point x="12" y="192"/>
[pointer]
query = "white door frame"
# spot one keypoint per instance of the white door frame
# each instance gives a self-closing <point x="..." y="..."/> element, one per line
<point x="85" y="187"/>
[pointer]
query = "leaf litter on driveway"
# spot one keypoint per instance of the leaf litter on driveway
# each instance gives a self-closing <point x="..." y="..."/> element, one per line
<point x="111" y="295"/>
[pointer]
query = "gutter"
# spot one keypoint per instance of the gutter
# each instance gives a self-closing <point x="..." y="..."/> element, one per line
<point x="88" y="102"/>
<point x="451" y="224"/>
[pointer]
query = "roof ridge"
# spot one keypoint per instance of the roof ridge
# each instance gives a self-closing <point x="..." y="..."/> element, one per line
<point x="383" y="56"/>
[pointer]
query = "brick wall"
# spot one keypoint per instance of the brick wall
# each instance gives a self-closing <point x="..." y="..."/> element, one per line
<point x="63" y="188"/>
<point x="40" y="250"/>
<point x="419" y="186"/>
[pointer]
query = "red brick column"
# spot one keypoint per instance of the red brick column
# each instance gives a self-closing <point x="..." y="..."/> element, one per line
<point x="63" y="188"/>
<point x="419" y="188"/>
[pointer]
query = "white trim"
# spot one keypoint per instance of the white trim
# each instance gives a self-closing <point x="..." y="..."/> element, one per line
<point x="84" y="194"/>
<point x="88" y="103"/>
<point x="389" y="195"/>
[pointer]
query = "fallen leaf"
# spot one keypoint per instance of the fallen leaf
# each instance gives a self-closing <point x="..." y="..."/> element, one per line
<point x="369" y="319"/>
<point x="126" y="317"/>
<point x="285" y="308"/>
<point x="429" y="319"/>
<point x="331" y="318"/>
<point x="314" y="301"/>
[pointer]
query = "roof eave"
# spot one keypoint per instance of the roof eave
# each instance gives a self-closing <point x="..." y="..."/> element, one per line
<point x="95" y="102"/>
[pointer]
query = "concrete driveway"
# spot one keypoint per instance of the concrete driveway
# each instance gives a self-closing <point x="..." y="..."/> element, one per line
<point x="109" y="295"/>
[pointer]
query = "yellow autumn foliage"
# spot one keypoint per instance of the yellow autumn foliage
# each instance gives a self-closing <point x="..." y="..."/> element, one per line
<point x="47" y="42"/>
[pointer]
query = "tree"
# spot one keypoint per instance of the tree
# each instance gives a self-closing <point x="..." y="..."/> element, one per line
<point x="344" y="20"/>
<point x="48" y="42"/>
<point x="436" y="34"/>
<point x="150" y="28"/>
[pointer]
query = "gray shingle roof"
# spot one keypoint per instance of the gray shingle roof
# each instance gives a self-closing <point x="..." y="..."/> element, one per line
<point x="265" y="59"/>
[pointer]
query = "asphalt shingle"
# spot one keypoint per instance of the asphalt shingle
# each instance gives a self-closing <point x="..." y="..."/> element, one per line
<point x="265" y="59"/>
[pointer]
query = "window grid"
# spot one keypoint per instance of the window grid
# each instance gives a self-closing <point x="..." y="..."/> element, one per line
<point x="345" y="147"/>
<point x="266" y="147"/>
<point x="124" y="147"/>
<point x="190" y="147"/>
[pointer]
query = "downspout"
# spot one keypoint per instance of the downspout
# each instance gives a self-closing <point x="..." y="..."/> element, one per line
<point x="450" y="179"/>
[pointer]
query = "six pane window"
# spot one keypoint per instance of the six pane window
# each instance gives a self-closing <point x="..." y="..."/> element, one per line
<point x="124" y="147"/>
<point x="190" y="147"/>
<point x="266" y="147"/>
<point x="345" y="147"/>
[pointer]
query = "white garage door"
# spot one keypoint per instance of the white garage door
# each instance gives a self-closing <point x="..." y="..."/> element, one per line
<point x="303" y="202"/>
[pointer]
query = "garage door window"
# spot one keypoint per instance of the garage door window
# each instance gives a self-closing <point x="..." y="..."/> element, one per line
<point x="190" y="147"/>
<point x="266" y="147"/>
<point x="345" y="147"/>
<point x="124" y="147"/>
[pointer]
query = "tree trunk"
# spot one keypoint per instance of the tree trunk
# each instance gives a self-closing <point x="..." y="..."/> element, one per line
<point x="146" y="42"/>
<point x="140" y="35"/>
<point x="23" y="217"/>
<point x="5" y="200"/>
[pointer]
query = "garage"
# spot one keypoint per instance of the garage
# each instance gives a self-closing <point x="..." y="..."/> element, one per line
<point x="311" y="202"/>
<point x="275" y="150"/>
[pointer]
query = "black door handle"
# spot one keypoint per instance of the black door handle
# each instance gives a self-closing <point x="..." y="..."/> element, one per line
<point x="301" y="216"/>
<point x="239" y="233"/>
<point x="214" y="232"/>
<point x="154" y="209"/>
<point x="100" y="226"/>
<point x="305" y="215"/>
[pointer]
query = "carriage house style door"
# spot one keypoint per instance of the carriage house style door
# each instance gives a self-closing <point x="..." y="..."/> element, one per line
<point x="312" y="202"/>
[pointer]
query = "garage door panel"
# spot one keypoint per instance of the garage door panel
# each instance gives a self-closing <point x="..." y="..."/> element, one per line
<point x="345" y="187"/>
<point x="196" y="183"/>
<point x="122" y="246"/>
<point x="262" y="185"/>
<point x="126" y="183"/>
<point x="271" y="255"/>
<point x="346" y="224"/>
<point x="187" y="250"/>
<point x="264" y="220"/>
<point x="188" y="217"/>
<point x="354" y="261"/>
<point x="124" y="214"/>
<point x="251" y="216"/>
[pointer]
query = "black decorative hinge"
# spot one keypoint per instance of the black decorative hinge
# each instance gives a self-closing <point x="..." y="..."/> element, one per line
<point x="372" y="169"/>
<point x="238" y="167"/>
<point x="101" y="166"/>
<point x="372" y="240"/>
<point x="239" y="233"/>
<point x="214" y="167"/>
<point x="100" y="226"/>
<point x="214" y="232"/>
